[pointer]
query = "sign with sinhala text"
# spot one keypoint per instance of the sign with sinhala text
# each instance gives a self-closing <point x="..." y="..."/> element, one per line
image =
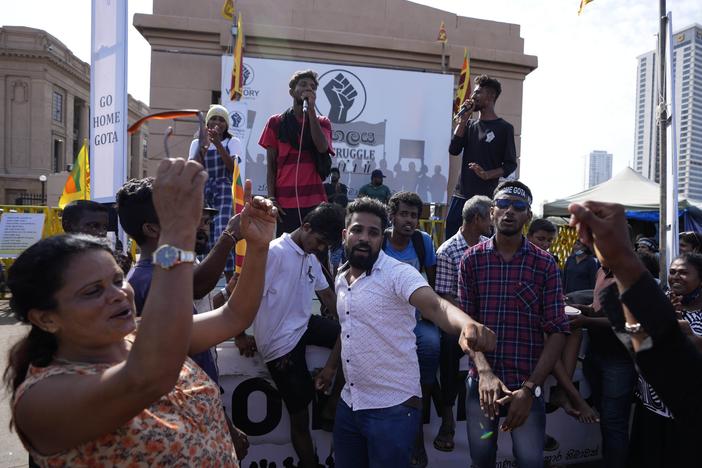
<point x="108" y="98"/>
<point x="393" y="120"/>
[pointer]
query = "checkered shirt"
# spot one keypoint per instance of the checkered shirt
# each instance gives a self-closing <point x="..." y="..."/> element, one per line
<point x="448" y="260"/>
<point x="519" y="300"/>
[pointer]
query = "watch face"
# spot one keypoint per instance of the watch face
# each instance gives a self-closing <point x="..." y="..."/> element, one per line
<point x="537" y="391"/>
<point x="166" y="256"/>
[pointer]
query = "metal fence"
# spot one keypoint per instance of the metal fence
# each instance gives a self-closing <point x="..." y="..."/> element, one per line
<point x="33" y="199"/>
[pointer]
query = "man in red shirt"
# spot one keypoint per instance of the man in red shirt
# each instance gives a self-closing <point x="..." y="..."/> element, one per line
<point x="294" y="185"/>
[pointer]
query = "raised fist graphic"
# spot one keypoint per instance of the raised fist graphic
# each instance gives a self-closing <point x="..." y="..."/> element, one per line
<point x="341" y="95"/>
<point x="236" y="119"/>
<point x="245" y="75"/>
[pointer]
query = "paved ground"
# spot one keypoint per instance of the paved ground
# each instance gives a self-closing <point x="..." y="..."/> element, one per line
<point x="12" y="454"/>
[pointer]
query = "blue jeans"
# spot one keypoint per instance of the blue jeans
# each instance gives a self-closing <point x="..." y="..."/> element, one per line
<point x="612" y="382"/>
<point x="374" y="438"/>
<point x="527" y="439"/>
<point x="428" y="346"/>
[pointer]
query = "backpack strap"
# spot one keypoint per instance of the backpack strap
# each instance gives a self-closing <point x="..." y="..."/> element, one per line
<point x="419" y="247"/>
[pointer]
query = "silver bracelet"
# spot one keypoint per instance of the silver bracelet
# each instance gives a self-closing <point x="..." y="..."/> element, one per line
<point x="224" y="293"/>
<point x="633" y="328"/>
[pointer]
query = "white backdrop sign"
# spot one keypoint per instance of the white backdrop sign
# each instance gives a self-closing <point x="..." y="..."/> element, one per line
<point x="108" y="99"/>
<point x="393" y="120"/>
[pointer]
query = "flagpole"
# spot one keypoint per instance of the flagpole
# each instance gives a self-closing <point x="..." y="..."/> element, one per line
<point x="662" y="146"/>
<point x="443" y="57"/>
<point x="87" y="168"/>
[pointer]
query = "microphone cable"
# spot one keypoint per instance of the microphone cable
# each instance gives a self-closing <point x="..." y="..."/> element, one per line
<point x="297" y="168"/>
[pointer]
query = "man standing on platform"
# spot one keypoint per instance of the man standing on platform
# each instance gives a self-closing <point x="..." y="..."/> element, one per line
<point x="294" y="183"/>
<point x="487" y="145"/>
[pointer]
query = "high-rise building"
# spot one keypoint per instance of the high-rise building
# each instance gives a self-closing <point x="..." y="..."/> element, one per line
<point x="598" y="168"/>
<point x="687" y="65"/>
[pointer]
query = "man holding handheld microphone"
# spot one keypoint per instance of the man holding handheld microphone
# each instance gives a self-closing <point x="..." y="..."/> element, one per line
<point x="488" y="148"/>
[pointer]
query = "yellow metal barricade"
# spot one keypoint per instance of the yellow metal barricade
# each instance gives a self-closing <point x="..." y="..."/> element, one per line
<point x="564" y="244"/>
<point x="435" y="228"/>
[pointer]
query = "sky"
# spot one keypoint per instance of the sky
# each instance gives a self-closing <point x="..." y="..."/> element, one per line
<point x="579" y="99"/>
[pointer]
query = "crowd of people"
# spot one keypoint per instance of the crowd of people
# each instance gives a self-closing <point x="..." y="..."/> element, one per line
<point x="130" y="347"/>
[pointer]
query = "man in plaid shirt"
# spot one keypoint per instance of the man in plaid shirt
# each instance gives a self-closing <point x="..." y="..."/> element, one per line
<point x="514" y="288"/>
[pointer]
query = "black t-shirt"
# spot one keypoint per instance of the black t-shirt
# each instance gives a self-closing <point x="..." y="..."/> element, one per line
<point x="579" y="276"/>
<point x="489" y="143"/>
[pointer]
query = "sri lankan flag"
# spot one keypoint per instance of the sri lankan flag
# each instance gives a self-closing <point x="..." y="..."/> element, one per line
<point x="78" y="183"/>
<point x="443" y="37"/>
<point x="236" y="89"/>
<point x="238" y="198"/>
<point x="463" y="88"/>
<point x="582" y="6"/>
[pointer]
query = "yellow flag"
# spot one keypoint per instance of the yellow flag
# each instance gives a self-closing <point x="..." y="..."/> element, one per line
<point x="236" y="89"/>
<point x="463" y="88"/>
<point x="78" y="183"/>
<point x="582" y="6"/>
<point x="228" y="9"/>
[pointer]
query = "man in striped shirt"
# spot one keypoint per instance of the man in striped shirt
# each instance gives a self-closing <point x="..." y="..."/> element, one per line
<point x="294" y="141"/>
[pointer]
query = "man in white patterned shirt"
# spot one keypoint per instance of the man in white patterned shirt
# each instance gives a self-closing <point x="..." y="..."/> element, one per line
<point x="379" y="410"/>
<point x="476" y="225"/>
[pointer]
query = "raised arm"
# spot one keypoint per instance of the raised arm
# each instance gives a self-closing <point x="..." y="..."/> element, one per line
<point x="94" y="405"/>
<point x="257" y="227"/>
<point x="451" y="319"/>
<point x="318" y="137"/>
<point x="208" y="272"/>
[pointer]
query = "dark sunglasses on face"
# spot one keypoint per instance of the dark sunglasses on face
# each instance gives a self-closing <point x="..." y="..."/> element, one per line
<point x="505" y="203"/>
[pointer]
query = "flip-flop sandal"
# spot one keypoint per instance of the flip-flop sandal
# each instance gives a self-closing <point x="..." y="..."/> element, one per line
<point x="444" y="439"/>
<point x="419" y="459"/>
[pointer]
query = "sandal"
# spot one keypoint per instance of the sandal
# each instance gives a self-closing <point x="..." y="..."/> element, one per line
<point x="444" y="439"/>
<point x="419" y="458"/>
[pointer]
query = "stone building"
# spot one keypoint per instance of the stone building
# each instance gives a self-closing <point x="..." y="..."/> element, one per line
<point x="44" y="104"/>
<point x="188" y="39"/>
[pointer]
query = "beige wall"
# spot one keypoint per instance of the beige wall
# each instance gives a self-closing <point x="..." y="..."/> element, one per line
<point x="34" y="65"/>
<point x="188" y="38"/>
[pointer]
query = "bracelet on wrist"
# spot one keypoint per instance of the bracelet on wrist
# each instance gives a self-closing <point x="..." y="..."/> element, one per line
<point x="225" y="293"/>
<point x="633" y="328"/>
<point x="230" y="235"/>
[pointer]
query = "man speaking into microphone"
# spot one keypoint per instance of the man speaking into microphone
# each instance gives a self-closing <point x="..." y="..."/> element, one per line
<point x="488" y="148"/>
<point x="298" y="146"/>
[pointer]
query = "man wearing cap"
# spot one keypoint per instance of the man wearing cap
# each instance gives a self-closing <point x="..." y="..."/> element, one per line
<point x="295" y="142"/>
<point x="513" y="287"/>
<point x="217" y="155"/>
<point x="376" y="189"/>
<point x="487" y="144"/>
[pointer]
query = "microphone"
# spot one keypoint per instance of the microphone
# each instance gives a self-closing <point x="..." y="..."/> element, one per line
<point x="463" y="110"/>
<point x="305" y="105"/>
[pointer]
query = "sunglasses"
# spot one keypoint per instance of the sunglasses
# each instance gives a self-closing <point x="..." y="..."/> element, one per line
<point x="505" y="203"/>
